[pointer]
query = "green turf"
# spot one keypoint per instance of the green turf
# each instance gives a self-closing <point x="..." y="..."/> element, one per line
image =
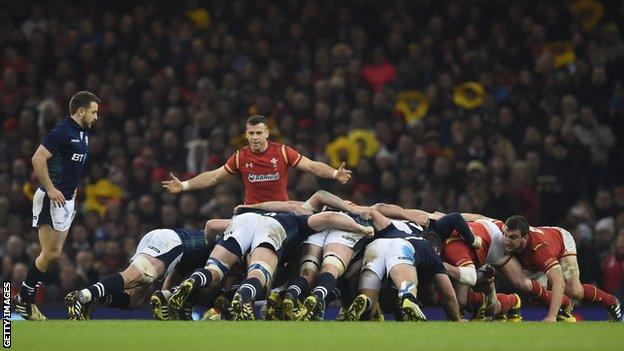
<point x="253" y="336"/>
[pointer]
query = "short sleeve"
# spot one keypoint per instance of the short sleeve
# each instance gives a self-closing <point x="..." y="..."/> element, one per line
<point x="231" y="166"/>
<point x="54" y="140"/>
<point x="543" y="258"/>
<point x="292" y="156"/>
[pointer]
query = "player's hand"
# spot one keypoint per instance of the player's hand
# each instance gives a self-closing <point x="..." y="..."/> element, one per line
<point x="343" y="175"/>
<point x="174" y="185"/>
<point x="57" y="197"/>
<point x="367" y="231"/>
<point x="478" y="242"/>
<point x="238" y="208"/>
<point x="549" y="319"/>
<point x="362" y="211"/>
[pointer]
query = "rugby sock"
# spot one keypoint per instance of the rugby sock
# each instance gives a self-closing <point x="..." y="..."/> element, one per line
<point x="230" y="294"/>
<point x="119" y="300"/>
<point x="324" y="284"/>
<point x="109" y="285"/>
<point x="593" y="294"/>
<point x="249" y="289"/>
<point x="475" y="299"/>
<point x="298" y="287"/>
<point x="264" y="294"/>
<point x="341" y="289"/>
<point x="201" y="277"/>
<point x="34" y="278"/>
<point x="407" y="290"/>
<point x="506" y="301"/>
<point x="545" y="296"/>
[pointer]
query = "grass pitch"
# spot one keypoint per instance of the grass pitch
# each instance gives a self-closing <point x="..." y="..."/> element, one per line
<point x="115" y="335"/>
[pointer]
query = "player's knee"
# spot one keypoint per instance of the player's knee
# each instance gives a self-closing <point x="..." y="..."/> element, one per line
<point x="260" y="270"/>
<point x="575" y="291"/>
<point x="217" y="268"/>
<point x="309" y="265"/>
<point x="147" y="273"/>
<point x="334" y="264"/>
<point x="468" y="275"/>
<point x="49" y="257"/>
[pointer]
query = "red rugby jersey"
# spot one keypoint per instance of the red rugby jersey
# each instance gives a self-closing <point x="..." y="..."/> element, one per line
<point x="265" y="174"/>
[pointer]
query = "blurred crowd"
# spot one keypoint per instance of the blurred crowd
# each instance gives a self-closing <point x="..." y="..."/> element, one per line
<point x="492" y="107"/>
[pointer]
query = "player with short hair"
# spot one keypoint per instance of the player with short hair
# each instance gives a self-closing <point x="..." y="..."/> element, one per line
<point x="263" y="165"/>
<point x="58" y="163"/>
<point x="167" y="253"/>
<point x="552" y="250"/>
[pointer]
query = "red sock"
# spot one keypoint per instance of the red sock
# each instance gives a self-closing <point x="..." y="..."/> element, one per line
<point x="593" y="294"/>
<point x="475" y="299"/>
<point x="545" y="296"/>
<point x="507" y="301"/>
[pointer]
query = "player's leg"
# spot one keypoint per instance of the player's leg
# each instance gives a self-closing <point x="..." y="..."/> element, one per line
<point x="309" y="264"/>
<point x="263" y="260"/>
<point x="363" y="306"/>
<point x="109" y="291"/>
<point x="51" y="242"/>
<point x="405" y="278"/>
<point x="225" y="255"/>
<point x="587" y="292"/>
<point x="370" y="278"/>
<point x="336" y="259"/>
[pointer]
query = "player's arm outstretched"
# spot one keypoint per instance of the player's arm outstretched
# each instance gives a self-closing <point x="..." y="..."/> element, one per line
<point x="324" y="171"/>
<point x="40" y="165"/>
<point x="295" y="207"/>
<point x="325" y="198"/>
<point x="201" y="181"/>
<point x="394" y="211"/>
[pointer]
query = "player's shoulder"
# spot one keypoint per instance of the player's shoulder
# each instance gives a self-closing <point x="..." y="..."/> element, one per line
<point x="537" y="242"/>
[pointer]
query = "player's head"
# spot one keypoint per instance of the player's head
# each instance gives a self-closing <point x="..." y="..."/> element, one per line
<point x="84" y="107"/>
<point x="257" y="132"/>
<point x="434" y="239"/>
<point x="515" y="230"/>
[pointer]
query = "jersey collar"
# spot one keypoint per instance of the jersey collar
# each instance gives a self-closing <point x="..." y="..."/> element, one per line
<point x="74" y="123"/>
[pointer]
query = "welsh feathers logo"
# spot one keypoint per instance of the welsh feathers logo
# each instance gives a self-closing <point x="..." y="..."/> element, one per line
<point x="274" y="162"/>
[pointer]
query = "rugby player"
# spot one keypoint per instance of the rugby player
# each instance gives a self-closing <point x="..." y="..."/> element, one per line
<point x="161" y="252"/>
<point x="263" y="166"/>
<point x="58" y="163"/>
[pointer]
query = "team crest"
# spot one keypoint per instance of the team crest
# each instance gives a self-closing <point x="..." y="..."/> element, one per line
<point x="274" y="162"/>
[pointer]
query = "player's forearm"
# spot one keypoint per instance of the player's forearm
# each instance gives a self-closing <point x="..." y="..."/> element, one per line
<point x="451" y="305"/>
<point x="205" y="180"/>
<point x="555" y="277"/>
<point x="322" y="170"/>
<point x="324" y="198"/>
<point x="274" y="206"/>
<point x="452" y="271"/>
<point x="327" y="220"/>
<point x="393" y="211"/>
<point x="40" y="165"/>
